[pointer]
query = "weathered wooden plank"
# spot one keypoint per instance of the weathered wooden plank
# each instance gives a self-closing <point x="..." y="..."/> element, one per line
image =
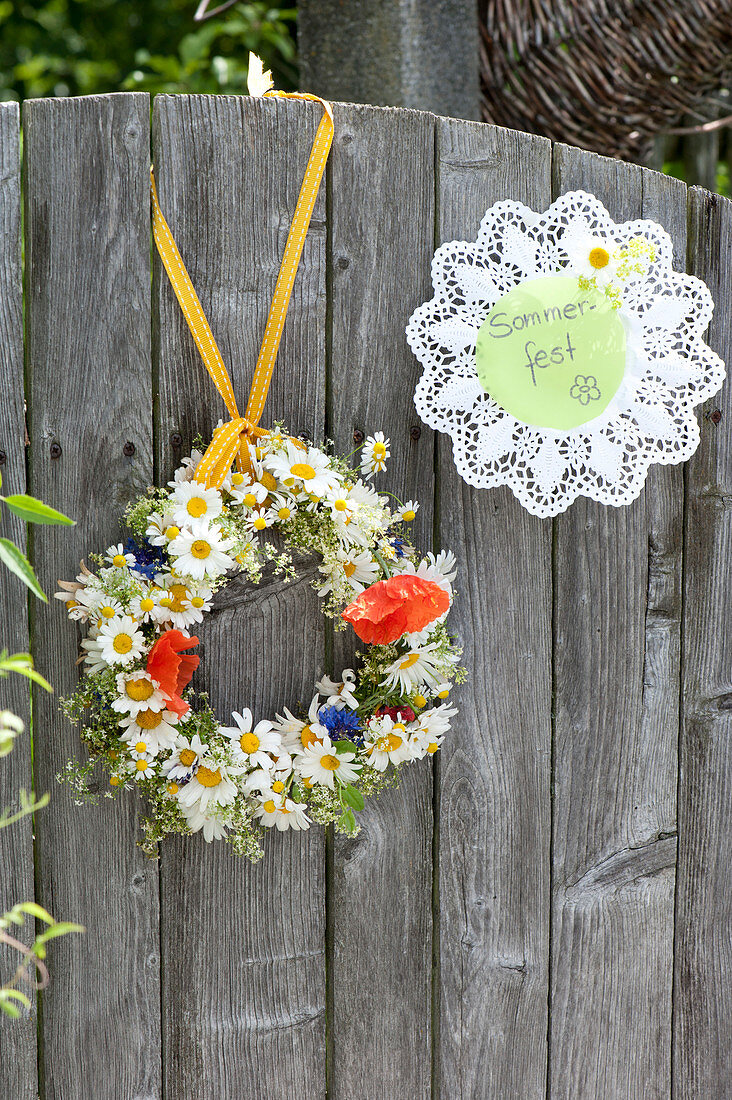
<point x="703" y="954"/>
<point x="18" y="1077"/>
<point x="244" y="1001"/>
<point x="494" y="770"/>
<point x="88" y="330"/>
<point x="380" y="884"/>
<point x="616" y="658"/>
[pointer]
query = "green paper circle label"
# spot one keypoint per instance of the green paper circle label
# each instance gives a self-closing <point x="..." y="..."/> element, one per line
<point x="551" y="354"/>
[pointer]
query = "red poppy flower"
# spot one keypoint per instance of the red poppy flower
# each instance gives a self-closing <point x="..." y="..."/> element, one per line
<point x="395" y="713"/>
<point x="399" y="605"/>
<point x="173" y="669"/>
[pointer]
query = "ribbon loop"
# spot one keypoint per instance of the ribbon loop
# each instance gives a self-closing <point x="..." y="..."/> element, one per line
<point x="230" y="441"/>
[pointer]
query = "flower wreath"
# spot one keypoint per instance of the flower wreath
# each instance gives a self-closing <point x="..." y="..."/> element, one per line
<point x="147" y="595"/>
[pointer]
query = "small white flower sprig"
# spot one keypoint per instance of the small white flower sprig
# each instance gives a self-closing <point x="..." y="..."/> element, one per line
<point x="145" y="726"/>
<point x="606" y="265"/>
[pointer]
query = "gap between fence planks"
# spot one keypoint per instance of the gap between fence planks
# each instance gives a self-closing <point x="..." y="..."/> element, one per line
<point x="18" y="1077"/>
<point x="520" y="917"/>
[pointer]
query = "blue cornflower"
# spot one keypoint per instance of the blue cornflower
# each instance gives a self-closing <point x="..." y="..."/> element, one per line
<point x="149" y="559"/>
<point x="398" y="544"/>
<point x="343" y="723"/>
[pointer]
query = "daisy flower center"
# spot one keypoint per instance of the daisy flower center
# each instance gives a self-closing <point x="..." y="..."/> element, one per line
<point x="197" y="601"/>
<point x="179" y="593"/>
<point x="201" y="549"/>
<point x="237" y="479"/>
<point x="122" y="643"/>
<point x="269" y="481"/>
<point x="146" y="604"/>
<point x="260" y="523"/>
<point x="249" y="742"/>
<point x="107" y="612"/>
<point x="303" y="470"/>
<point x="379" y="450"/>
<point x="269" y="806"/>
<point x="173" y="788"/>
<point x="308" y="737"/>
<point x="186" y="757"/>
<point x="349" y="568"/>
<point x="599" y="257"/>
<point x="408" y="516"/>
<point x="278" y="786"/>
<point x="149" y="719"/>
<point x="330" y="762"/>
<point x="250" y="500"/>
<point x="410" y="660"/>
<point x="172" y="532"/>
<point x="284" y="513"/>
<point x="140" y="746"/>
<point x="340" y="505"/>
<point x="196" y="507"/>
<point x="207" y="777"/>
<point x="119" y="560"/>
<point x="139" y="690"/>
<point x="141" y="765"/>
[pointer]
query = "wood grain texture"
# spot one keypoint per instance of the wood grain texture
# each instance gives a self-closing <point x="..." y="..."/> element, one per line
<point x="616" y="658"/>
<point x="18" y="1076"/>
<point x="703" y="956"/>
<point x="243" y="946"/>
<point x="380" y="885"/>
<point x="88" y="330"/>
<point x="494" y="769"/>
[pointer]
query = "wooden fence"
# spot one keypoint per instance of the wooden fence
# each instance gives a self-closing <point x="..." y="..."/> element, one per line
<point x="544" y="913"/>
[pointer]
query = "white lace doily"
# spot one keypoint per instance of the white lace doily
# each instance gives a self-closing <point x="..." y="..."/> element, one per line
<point x="668" y="367"/>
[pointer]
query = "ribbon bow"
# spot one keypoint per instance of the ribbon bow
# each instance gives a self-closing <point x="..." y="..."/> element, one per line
<point x="231" y="440"/>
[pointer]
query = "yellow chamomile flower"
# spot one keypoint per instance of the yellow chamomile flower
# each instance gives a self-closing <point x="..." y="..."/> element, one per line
<point x="374" y="454"/>
<point x="142" y="607"/>
<point x="430" y="729"/>
<point x="339" y="693"/>
<point x="138" y="691"/>
<point x="282" y="813"/>
<point x="359" y="568"/>
<point x="181" y="604"/>
<point x="142" y="766"/>
<point x="161" y="528"/>
<point x="322" y="763"/>
<point x="184" y="758"/>
<point x="410" y="669"/>
<point x="259" y="519"/>
<point x="387" y="742"/>
<point x="120" y="640"/>
<point x="592" y="257"/>
<point x="252" y="746"/>
<point x="197" y="822"/>
<point x="249" y="493"/>
<point x="157" y="727"/>
<point x="407" y="512"/>
<point x="304" y="468"/>
<point x="117" y="556"/>
<point x="193" y="502"/>
<point x="200" y="551"/>
<point x="210" y="785"/>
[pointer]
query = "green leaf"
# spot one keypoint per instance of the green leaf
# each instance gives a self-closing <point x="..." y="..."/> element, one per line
<point x="8" y="995"/>
<point x="34" y="511"/>
<point x="22" y="664"/>
<point x="18" y="563"/>
<point x="353" y="797"/>
<point x="348" y="822"/>
<point x="60" y="929"/>
<point x="344" y="746"/>
<point x="34" y="910"/>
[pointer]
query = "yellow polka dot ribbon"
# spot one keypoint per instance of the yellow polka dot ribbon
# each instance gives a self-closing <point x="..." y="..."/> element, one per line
<point x="230" y="441"/>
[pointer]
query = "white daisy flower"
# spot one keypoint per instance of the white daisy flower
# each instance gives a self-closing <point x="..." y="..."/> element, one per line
<point x="194" y="502"/>
<point x="161" y="528"/>
<point x="210" y="785"/>
<point x="187" y="469"/>
<point x="75" y="608"/>
<point x="93" y="660"/>
<point x="282" y="813"/>
<point x="374" y="454"/>
<point x="410" y="669"/>
<point x="322" y="763"/>
<point x="120" y="640"/>
<point x="142" y="607"/>
<point x="305" y="468"/>
<point x="200" y="551"/>
<point x="184" y="758"/>
<point x="213" y="829"/>
<point x="138" y="691"/>
<point x="181" y="604"/>
<point x="259" y="780"/>
<point x="431" y="726"/>
<point x="592" y="256"/>
<point x="156" y="726"/>
<point x="339" y="694"/>
<point x="249" y="493"/>
<point x="386" y="743"/>
<point x="252" y="746"/>
<point x="143" y="767"/>
<point x="101" y="607"/>
<point x="442" y="569"/>
<point x="294" y="732"/>
<point x="359" y="568"/>
<point x="117" y="556"/>
<point x="259" y="519"/>
<point x="407" y="512"/>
